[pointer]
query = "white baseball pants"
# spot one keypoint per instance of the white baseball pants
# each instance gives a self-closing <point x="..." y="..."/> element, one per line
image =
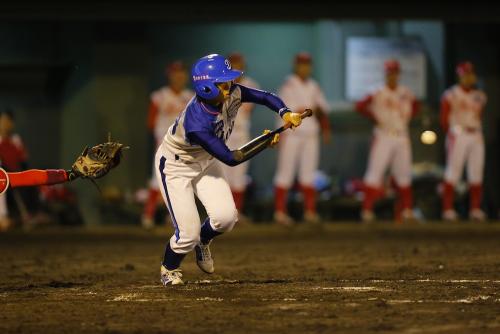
<point x="389" y="150"/>
<point x="464" y="148"/>
<point x="297" y="152"/>
<point x="179" y="183"/>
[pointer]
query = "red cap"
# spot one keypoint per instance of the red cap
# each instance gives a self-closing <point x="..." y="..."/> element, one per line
<point x="236" y="57"/>
<point x="391" y="66"/>
<point x="175" y="66"/>
<point x="303" y="58"/>
<point x="464" y="68"/>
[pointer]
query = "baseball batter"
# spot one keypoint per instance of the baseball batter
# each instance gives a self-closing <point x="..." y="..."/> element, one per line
<point x="299" y="150"/>
<point x="185" y="164"/>
<point x="166" y="104"/>
<point x="461" y="108"/>
<point x="391" y="108"/>
<point x="237" y="175"/>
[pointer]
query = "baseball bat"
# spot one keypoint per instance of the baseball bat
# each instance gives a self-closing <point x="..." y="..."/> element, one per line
<point x="256" y="145"/>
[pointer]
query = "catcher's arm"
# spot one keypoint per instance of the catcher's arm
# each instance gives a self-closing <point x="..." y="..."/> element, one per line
<point x="32" y="177"/>
<point x="93" y="163"/>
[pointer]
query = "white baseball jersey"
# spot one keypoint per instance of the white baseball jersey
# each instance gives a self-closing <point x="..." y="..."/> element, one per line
<point x="241" y="127"/>
<point x="170" y="105"/>
<point x="392" y="109"/>
<point x="199" y="120"/>
<point x="466" y="107"/>
<point x="299" y="95"/>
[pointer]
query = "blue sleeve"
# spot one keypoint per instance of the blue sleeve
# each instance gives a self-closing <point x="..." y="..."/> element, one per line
<point x="262" y="97"/>
<point x="196" y="119"/>
<point x="213" y="145"/>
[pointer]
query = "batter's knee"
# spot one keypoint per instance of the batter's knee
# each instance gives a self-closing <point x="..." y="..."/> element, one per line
<point x="224" y="220"/>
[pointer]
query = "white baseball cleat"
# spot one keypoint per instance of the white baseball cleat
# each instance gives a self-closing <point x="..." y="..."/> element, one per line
<point x="282" y="218"/>
<point x="477" y="215"/>
<point x="204" y="258"/>
<point x="171" y="277"/>
<point x="367" y="216"/>
<point x="450" y="215"/>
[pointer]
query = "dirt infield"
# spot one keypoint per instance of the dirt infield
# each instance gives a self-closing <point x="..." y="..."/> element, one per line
<point x="341" y="278"/>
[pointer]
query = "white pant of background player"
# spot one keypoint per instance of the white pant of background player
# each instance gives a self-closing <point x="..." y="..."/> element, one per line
<point x="464" y="148"/>
<point x="179" y="183"/>
<point x="388" y="149"/>
<point x="298" y="154"/>
<point x="237" y="175"/>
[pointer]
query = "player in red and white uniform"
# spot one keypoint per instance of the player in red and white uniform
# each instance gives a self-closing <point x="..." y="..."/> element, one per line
<point x="13" y="156"/>
<point x="461" y="109"/>
<point x="391" y="108"/>
<point x="299" y="150"/>
<point x="237" y="175"/>
<point x="166" y="104"/>
<point x="28" y="178"/>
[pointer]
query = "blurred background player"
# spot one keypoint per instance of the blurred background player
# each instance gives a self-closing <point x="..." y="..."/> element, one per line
<point x="237" y="175"/>
<point x="166" y="104"/>
<point x="391" y="108"/>
<point x="24" y="203"/>
<point x="461" y="109"/>
<point x="12" y="157"/>
<point x="299" y="149"/>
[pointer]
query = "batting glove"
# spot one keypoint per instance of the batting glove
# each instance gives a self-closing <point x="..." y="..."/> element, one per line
<point x="293" y="118"/>
<point x="276" y="138"/>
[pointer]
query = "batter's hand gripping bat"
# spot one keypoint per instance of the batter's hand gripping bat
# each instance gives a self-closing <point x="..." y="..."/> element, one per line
<point x="258" y="144"/>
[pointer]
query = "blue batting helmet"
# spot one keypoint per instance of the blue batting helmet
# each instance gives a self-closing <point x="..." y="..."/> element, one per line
<point x="208" y="71"/>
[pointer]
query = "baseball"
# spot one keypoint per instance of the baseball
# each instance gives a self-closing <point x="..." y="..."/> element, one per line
<point x="428" y="137"/>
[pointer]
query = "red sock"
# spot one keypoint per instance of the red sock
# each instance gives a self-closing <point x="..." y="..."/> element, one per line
<point x="309" y="198"/>
<point x="150" y="207"/>
<point x="371" y="194"/>
<point x="448" y="196"/>
<point x="37" y="177"/>
<point x="476" y="195"/>
<point x="406" y="195"/>
<point x="239" y="197"/>
<point x="280" y="199"/>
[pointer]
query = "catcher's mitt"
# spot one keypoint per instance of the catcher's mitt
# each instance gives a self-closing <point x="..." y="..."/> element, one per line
<point x="97" y="161"/>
